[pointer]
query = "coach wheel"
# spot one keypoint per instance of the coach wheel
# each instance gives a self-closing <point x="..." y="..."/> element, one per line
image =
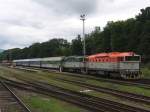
<point x="83" y="71"/>
<point x="60" y="69"/>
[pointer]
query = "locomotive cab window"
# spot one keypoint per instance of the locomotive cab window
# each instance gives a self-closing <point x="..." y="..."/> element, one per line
<point x="132" y="58"/>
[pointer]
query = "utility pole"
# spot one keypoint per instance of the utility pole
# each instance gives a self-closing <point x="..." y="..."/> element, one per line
<point x="84" y="49"/>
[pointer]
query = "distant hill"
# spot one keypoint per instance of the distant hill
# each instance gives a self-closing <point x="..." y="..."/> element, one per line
<point x="1" y="50"/>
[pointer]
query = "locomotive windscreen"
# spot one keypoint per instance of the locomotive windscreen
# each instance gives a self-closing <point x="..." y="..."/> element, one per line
<point x="132" y="58"/>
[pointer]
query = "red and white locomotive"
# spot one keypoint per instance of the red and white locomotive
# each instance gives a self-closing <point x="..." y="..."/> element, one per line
<point x="118" y="64"/>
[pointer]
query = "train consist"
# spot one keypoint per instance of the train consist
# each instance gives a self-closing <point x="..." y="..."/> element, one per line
<point x="125" y="65"/>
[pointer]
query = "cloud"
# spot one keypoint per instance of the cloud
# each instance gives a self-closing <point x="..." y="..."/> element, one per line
<point x="23" y="22"/>
<point x="70" y="7"/>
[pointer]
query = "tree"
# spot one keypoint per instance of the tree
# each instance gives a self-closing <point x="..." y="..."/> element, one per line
<point x="130" y="35"/>
<point x="144" y="15"/>
<point x="76" y="46"/>
<point x="34" y="50"/>
<point x="93" y="41"/>
<point x="106" y="39"/>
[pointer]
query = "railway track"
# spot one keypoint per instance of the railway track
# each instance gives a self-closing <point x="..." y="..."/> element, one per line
<point x="121" y="94"/>
<point x="117" y="93"/>
<point x="122" y="82"/>
<point x="144" y="83"/>
<point x="92" y="103"/>
<point x="9" y="102"/>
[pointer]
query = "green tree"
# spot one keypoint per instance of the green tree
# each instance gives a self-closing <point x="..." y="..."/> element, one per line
<point x="76" y="47"/>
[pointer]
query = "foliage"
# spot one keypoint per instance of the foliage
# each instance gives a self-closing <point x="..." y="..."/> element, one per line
<point x="146" y="72"/>
<point x="76" y="46"/>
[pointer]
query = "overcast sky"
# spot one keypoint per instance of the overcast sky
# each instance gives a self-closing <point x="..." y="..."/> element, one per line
<point x="23" y="22"/>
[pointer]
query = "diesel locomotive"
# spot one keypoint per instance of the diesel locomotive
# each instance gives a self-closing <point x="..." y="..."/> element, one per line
<point x="125" y="65"/>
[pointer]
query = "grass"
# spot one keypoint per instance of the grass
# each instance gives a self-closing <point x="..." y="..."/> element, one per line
<point x="42" y="103"/>
<point x="22" y="75"/>
<point x="49" y="105"/>
<point x="131" y="89"/>
<point x="49" y="78"/>
<point x="120" y="100"/>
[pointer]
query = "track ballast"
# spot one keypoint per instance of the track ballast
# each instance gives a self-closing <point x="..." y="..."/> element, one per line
<point x="9" y="102"/>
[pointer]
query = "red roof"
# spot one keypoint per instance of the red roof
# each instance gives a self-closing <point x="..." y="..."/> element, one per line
<point x="112" y="54"/>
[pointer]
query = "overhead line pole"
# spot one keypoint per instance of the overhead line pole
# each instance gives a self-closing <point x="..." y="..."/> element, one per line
<point x="84" y="48"/>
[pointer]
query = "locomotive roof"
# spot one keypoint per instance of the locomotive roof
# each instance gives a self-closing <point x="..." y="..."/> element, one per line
<point x="113" y="54"/>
